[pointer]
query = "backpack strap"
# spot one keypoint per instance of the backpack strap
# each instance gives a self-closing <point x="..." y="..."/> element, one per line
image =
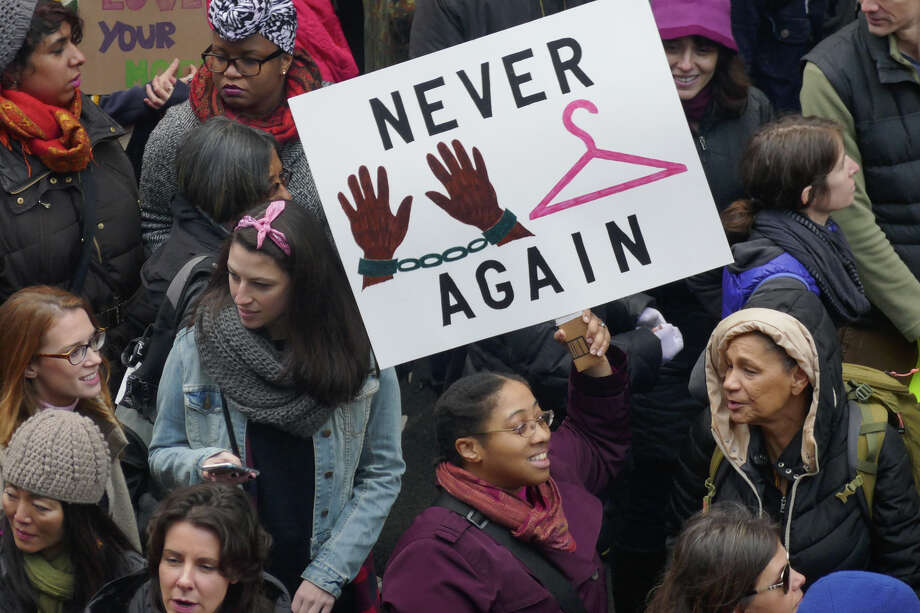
<point x="177" y="285"/>
<point x="714" y="462"/>
<point x="868" y="423"/>
<point x="548" y="575"/>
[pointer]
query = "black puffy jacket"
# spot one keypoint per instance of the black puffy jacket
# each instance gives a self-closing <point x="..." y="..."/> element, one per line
<point x="40" y="223"/>
<point x="821" y="532"/>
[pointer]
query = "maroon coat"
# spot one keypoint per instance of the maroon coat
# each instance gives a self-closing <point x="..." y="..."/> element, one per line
<point x="444" y="563"/>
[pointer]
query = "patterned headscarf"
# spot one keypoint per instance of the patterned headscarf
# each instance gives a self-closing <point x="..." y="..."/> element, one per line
<point x="235" y="20"/>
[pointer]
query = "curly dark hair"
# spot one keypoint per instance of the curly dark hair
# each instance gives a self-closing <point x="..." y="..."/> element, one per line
<point x="47" y="19"/>
<point x="225" y="511"/>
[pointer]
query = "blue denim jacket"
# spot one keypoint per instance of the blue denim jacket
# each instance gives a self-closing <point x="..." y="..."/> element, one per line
<point x="359" y="444"/>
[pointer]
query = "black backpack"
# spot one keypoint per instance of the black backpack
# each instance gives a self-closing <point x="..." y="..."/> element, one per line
<point x="144" y="357"/>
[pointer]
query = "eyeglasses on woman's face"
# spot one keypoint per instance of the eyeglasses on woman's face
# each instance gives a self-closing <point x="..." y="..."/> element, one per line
<point x="76" y="355"/>
<point x="527" y="427"/>
<point x="783" y="583"/>
<point x="246" y="66"/>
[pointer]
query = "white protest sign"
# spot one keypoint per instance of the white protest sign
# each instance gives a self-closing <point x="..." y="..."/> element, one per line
<point x="566" y="177"/>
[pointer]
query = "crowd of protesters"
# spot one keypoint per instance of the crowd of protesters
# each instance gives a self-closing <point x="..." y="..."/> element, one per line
<point x="175" y="438"/>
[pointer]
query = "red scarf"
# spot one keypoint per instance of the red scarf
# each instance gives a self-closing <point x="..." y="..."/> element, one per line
<point x="52" y="133"/>
<point x="538" y="519"/>
<point x="303" y="76"/>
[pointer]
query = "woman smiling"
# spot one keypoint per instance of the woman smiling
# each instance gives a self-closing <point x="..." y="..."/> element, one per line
<point x="58" y="546"/>
<point x="53" y="362"/>
<point x="502" y="469"/>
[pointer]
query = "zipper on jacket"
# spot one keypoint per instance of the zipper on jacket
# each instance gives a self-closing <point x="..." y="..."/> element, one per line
<point x="750" y="483"/>
<point x="702" y="142"/>
<point x="795" y="485"/>
<point x="782" y="505"/>
<point x="30" y="183"/>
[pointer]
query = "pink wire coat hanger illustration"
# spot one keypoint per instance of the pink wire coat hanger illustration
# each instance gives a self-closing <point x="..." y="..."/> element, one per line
<point x="545" y="208"/>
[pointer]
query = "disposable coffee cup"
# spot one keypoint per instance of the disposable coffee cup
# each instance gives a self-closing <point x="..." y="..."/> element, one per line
<point x="575" y="330"/>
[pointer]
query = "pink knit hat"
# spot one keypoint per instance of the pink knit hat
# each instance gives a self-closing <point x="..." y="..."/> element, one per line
<point x="707" y="18"/>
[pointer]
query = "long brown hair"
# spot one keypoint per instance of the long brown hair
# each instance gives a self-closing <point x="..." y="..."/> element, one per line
<point x="328" y="352"/>
<point x="783" y="158"/>
<point x="716" y="562"/>
<point x="730" y="82"/>
<point x="25" y="318"/>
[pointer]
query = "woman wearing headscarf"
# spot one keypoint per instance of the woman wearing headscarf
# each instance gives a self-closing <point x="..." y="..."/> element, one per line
<point x="69" y="199"/>
<point x="249" y="71"/>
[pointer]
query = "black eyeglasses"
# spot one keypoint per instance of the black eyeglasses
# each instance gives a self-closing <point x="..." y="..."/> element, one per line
<point x="76" y="355"/>
<point x="783" y="583"/>
<point x="246" y="66"/>
<point x="527" y="427"/>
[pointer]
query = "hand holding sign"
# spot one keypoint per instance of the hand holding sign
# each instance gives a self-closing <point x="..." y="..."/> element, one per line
<point x="376" y="230"/>
<point x="471" y="198"/>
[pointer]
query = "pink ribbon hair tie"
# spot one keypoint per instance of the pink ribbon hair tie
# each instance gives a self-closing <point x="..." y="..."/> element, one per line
<point x="264" y="227"/>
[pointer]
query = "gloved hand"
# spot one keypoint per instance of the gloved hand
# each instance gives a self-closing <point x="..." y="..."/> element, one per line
<point x="650" y="318"/>
<point x="672" y="341"/>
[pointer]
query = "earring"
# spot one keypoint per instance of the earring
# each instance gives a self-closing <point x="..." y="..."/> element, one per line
<point x="283" y="72"/>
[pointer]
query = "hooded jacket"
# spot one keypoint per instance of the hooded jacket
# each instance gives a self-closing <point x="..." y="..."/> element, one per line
<point x="821" y="532"/>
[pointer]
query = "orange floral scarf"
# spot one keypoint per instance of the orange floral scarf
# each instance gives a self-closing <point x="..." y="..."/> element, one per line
<point x="52" y="133"/>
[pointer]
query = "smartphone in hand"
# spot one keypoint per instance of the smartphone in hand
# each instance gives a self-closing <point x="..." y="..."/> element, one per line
<point x="231" y="469"/>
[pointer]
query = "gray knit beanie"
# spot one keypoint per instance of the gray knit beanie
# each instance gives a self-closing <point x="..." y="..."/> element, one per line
<point x="15" y="19"/>
<point x="59" y="454"/>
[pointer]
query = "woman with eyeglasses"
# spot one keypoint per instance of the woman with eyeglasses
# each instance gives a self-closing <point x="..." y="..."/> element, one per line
<point x="500" y="464"/>
<point x="781" y="437"/>
<point x="52" y="360"/>
<point x="249" y="71"/>
<point x="728" y="561"/>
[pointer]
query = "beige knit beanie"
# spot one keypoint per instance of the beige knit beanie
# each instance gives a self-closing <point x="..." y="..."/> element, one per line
<point x="58" y="454"/>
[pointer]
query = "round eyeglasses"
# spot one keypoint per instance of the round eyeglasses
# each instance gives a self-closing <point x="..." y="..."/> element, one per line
<point x="527" y="427"/>
<point x="76" y="355"/>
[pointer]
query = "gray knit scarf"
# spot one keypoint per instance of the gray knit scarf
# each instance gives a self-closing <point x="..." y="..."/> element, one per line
<point x="250" y="372"/>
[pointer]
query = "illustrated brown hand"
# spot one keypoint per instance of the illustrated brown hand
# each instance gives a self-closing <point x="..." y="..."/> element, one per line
<point x="471" y="198"/>
<point x="376" y="230"/>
